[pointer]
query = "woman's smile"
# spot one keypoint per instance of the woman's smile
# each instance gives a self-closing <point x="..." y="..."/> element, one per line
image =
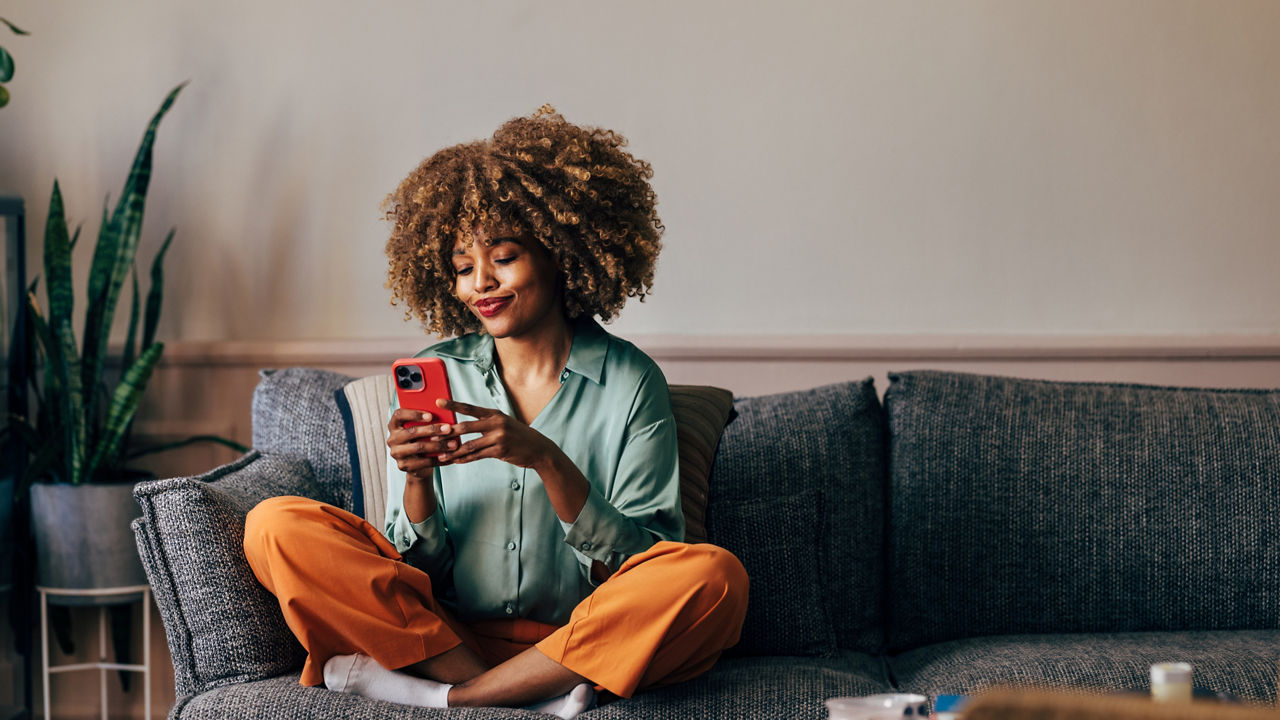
<point x="488" y="307"/>
<point x="508" y="281"/>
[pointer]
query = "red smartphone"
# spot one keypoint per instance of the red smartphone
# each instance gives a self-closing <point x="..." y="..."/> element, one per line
<point x="419" y="383"/>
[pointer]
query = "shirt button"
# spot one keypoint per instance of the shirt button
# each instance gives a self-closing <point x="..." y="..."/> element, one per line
<point x="510" y="610"/>
<point x="585" y="546"/>
<point x="515" y="485"/>
<point x="564" y="376"/>
<point x="511" y="546"/>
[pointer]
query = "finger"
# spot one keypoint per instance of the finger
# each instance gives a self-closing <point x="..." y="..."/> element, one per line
<point x="435" y="447"/>
<point x="474" y="411"/>
<point x="417" y="463"/>
<point x="406" y="415"/>
<point x="468" y="448"/>
<point x="480" y="454"/>
<point x="471" y="426"/>
<point x="434" y="430"/>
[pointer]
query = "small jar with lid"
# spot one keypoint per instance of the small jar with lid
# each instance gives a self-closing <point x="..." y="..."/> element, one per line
<point x="1171" y="682"/>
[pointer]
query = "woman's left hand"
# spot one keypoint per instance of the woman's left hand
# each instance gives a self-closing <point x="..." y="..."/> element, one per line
<point x="501" y="436"/>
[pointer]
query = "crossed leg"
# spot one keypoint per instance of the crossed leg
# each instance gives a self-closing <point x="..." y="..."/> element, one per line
<point x="665" y="616"/>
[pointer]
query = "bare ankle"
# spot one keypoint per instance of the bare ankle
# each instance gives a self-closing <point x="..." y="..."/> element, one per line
<point x="452" y="666"/>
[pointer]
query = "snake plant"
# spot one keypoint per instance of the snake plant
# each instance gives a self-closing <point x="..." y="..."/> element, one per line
<point x="81" y="425"/>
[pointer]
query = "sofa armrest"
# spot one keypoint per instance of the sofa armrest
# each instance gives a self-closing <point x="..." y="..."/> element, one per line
<point x="223" y="627"/>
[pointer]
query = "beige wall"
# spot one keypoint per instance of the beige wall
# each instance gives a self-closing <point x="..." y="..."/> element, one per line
<point x="976" y="166"/>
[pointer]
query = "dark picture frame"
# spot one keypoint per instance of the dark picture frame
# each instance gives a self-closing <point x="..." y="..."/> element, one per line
<point x="13" y="323"/>
<point x="13" y="454"/>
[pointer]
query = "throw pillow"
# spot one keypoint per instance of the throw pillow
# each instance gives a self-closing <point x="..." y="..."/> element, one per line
<point x="701" y="413"/>
<point x="294" y="414"/>
<point x="831" y="439"/>
<point x="777" y="541"/>
<point x="223" y="626"/>
<point x="363" y="405"/>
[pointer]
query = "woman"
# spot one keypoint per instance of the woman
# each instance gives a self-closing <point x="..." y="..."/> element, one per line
<point x="532" y="555"/>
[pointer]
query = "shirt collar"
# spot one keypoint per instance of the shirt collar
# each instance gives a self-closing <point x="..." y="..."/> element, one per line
<point x="586" y="355"/>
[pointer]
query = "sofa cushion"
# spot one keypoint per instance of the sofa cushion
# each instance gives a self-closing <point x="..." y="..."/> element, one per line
<point x="282" y="698"/>
<point x="223" y="627"/>
<point x="778" y="542"/>
<point x="1028" y="506"/>
<point x="740" y="688"/>
<point x="701" y="412"/>
<point x="294" y="414"/>
<point x="828" y="439"/>
<point x="1241" y="664"/>
<point x="365" y="405"/>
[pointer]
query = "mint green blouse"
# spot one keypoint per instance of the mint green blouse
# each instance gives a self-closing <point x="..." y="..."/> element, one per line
<point x="494" y="547"/>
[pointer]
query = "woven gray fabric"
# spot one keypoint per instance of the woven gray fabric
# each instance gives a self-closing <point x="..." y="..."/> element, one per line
<point x="831" y="439"/>
<point x="734" y="689"/>
<point x="1239" y="663"/>
<point x="282" y="698"/>
<point x="776" y="540"/>
<point x="1026" y="506"/>
<point x="765" y="688"/>
<point x="222" y="626"/>
<point x="294" y="413"/>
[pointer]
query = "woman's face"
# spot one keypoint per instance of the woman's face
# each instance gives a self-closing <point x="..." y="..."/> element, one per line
<point x="508" y="281"/>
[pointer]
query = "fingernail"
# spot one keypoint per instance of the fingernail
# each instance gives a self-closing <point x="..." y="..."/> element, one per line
<point x="452" y="445"/>
<point x="444" y="429"/>
<point x="426" y="417"/>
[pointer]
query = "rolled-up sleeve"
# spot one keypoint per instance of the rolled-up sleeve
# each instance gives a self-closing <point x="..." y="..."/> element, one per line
<point x="424" y="545"/>
<point x="643" y="504"/>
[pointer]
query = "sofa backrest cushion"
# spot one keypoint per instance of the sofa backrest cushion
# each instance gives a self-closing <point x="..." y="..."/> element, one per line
<point x="223" y="626"/>
<point x="1029" y="506"/>
<point x="294" y="413"/>
<point x="818" y="456"/>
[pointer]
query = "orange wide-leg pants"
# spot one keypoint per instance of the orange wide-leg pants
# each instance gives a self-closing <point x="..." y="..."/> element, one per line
<point x="664" y="617"/>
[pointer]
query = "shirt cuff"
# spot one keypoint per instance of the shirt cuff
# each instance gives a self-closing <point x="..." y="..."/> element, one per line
<point x="431" y="536"/>
<point x="598" y="531"/>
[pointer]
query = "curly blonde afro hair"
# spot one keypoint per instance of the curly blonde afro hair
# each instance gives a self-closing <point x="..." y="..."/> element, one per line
<point x="573" y="189"/>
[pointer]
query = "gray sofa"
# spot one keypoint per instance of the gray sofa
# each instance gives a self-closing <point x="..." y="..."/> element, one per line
<point x="971" y="531"/>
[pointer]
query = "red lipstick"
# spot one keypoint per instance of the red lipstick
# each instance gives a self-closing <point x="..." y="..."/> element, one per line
<point x="492" y="306"/>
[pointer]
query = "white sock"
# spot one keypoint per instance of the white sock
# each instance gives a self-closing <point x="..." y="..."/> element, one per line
<point x="567" y="706"/>
<point x="362" y="675"/>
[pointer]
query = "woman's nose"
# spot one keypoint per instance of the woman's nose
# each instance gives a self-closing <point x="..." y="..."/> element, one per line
<point x="484" y="277"/>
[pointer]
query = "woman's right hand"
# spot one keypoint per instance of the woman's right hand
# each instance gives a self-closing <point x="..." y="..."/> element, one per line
<point x="415" y="448"/>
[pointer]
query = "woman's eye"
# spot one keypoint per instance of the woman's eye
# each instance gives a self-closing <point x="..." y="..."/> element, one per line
<point x="463" y="270"/>
<point x="505" y="260"/>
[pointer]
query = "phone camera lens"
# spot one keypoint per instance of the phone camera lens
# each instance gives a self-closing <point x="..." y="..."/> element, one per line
<point x="402" y="371"/>
<point x="416" y="377"/>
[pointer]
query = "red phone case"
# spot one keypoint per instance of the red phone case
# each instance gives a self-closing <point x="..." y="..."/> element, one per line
<point x="419" y="384"/>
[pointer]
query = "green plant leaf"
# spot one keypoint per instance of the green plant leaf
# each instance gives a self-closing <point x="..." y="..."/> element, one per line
<point x="17" y="30"/>
<point x="114" y="256"/>
<point x="124" y="403"/>
<point x="155" y="295"/>
<point x="75" y="237"/>
<point x="131" y="338"/>
<point x="57" y="264"/>
<point x="6" y="65"/>
<point x="66" y="364"/>
<point x="4" y="96"/>
<point x="58" y="420"/>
